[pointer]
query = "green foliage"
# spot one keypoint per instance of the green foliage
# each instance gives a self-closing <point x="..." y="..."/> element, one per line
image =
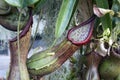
<point x="116" y="8"/>
<point x="119" y="1"/>
<point x="118" y="77"/>
<point x="4" y="7"/>
<point x="110" y="69"/>
<point x="106" y="20"/>
<point x="116" y="21"/>
<point x="21" y="3"/>
<point x="41" y="63"/>
<point x="38" y="6"/>
<point x="64" y="16"/>
<point x="116" y="32"/>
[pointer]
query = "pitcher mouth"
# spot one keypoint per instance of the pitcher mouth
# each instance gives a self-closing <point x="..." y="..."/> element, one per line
<point x="82" y="33"/>
<point x="26" y="29"/>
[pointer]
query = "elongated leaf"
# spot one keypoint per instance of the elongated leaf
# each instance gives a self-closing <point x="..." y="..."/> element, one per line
<point x="106" y="20"/>
<point x="21" y="3"/>
<point x="64" y="16"/>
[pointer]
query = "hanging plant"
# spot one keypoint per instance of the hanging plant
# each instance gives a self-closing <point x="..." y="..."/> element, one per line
<point x="57" y="55"/>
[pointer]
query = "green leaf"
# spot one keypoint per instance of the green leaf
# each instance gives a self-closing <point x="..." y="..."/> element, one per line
<point x="16" y="3"/>
<point x="64" y="16"/>
<point x="30" y="2"/>
<point x="41" y="63"/>
<point x="116" y="32"/>
<point x="106" y="20"/>
<point x="21" y="3"/>
<point x="96" y="28"/>
<point x="119" y="1"/>
<point x="116" y="8"/>
<point x="39" y="6"/>
<point x="106" y="32"/>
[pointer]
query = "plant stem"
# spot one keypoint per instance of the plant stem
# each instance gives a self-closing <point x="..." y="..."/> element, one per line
<point x="35" y="32"/>
<point x="18" y="40"/>
<point x="54" y="42"/>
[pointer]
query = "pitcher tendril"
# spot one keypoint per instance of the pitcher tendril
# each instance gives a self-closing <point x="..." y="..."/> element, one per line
<point x="18" y="39"/>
